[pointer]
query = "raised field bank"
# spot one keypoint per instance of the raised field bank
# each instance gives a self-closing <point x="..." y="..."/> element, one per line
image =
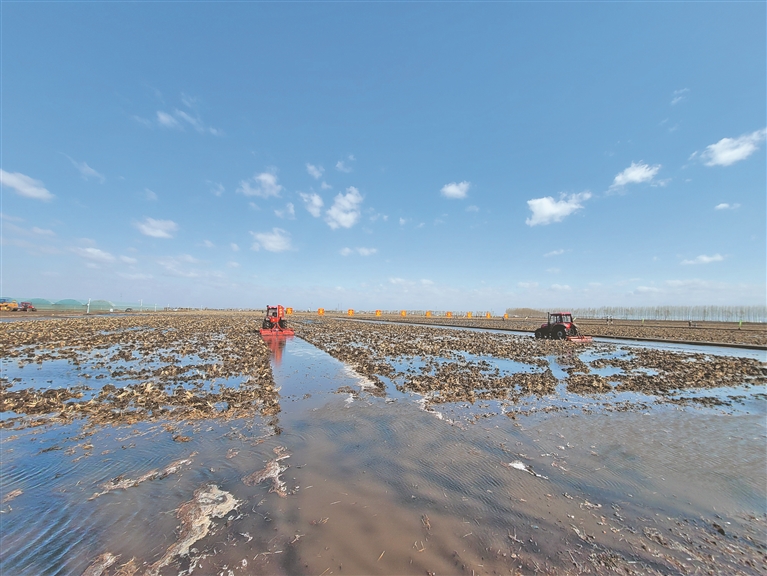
<point x="188" y="443"/>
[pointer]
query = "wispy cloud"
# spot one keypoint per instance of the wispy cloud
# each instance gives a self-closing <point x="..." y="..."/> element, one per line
<point x="86" y="172"/>
<point x="345" y="210"/>
<point x="94" y="255"/>
<point x="42" y="232"/>
<point x="472" y="208"/>
<point x="288" y="212"/>
<point x="527" y="285"/>
<point x="728" y="151"/>
<point x="313" y="203"/>
<point x="456" y="189"/>
<point x="325" y="186"/>
<point x="726" y="206"/>
<point x="178" y="119"/>
<point x="263" y="185"/>
<point x="547" y="210"/>
<point x="216" y="188"/>
<point x="314" y="171"/>
<point x="560" y="287"/>
<point x="157" y="228"/>
<point x="208" y="244"/>
<point x="703" y="259"/>
<point x="25" y="186"/>
<point x="150" y="195"/>
<point x="128" y="260"/>
<point x="234" y="247"/>
<point x="341" y="165"/>
<point x="554" y="253"/>
<point x="278" y="240"/>
<point x="679" y="95"/>
<point x="360" y="251"/>
<point x="635" y="174"/>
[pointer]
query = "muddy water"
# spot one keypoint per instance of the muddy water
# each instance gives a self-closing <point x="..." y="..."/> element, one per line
<point x="360" y="482"/>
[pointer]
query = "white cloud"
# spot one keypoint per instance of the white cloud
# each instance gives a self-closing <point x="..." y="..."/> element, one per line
<point x="547" y="210"/>
<point x="635" y="174"/>
<point x="288" y="212"/>
<point x="207" y="244"/>
<point x="167" y="120"/>
<point x="85" y="170"/>
<point x="679" y="95"/>
<point x="472" y="208"/>
<point x="42" y="232"/>
<point x="527" y="285"/>
<point x="554" y="253"/>
<point x="342" y="167"/>
<point x="325" y="186"/>
<point x="455" y="190"/>
<point x="277" y="240"/>
<point x="703" y="259"/>
<point x="560" y="287"/>
<point x="216" y="188"/>
<point x="233" y="264"/>
<point x="345" y="210"/>
<point x="157" y="228"/>
<point x="128" y="260"/>
<point x="314" y="171"/>
<point x="402" y="221"/>
<point x="730" y="150"/>
<point x="553" y="270"/>
<point x="313" y="203"/>
<point x="234" y="247"/>
<point x="360" y="251"/>
<point x="95" y="255"/>
<point x="150" y="195"/>
<point x="725" y="206"/>
<point x="265" y="186"/>
<point x="647" y="289"/>
<point x="137" y="276"/>
<point x="24" y="185"/>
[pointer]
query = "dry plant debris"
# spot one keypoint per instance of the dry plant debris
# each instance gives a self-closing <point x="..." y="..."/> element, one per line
<point x="447" y="365"/>
<point x="147" y="367"/>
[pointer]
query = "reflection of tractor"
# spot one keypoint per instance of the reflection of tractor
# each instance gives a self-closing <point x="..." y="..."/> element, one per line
<point x="560" y="327"/>
<point x="275" y="322"/>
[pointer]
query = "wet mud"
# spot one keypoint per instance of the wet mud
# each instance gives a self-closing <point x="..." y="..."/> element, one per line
<point x="447" y="366"/>
<point x="132" y="368"/>
<point x="398" y="450"/>
<point x="749" y="334"/>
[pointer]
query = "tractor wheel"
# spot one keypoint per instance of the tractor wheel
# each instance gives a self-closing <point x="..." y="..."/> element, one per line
<point x="561" y="334"/>
<point x="266" y="325"/>
<point x="538" y="334"/>
<point x="283" y="324"/>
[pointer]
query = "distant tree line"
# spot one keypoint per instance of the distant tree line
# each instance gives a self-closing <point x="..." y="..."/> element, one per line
<point x="697" y="313"/>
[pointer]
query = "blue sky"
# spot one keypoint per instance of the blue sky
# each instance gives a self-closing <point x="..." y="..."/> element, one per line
<point x="463" y="156"/>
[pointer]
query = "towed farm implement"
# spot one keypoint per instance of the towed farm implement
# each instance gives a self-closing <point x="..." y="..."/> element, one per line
<point x="560" y="326"/>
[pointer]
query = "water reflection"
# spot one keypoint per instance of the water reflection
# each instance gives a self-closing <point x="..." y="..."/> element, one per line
<point x="276" y="344"/>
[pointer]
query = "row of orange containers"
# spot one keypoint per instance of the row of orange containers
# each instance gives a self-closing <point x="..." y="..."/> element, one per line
<point x="350" y="312"/>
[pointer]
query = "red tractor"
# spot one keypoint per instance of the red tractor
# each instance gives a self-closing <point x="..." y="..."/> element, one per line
<point x="560" y="327"/>
<point x="275" y="322"/>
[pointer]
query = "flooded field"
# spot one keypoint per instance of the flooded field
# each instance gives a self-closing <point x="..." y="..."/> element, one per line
<point x="184" y="445"/>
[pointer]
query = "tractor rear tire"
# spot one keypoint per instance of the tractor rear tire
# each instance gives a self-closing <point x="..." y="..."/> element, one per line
<point x="561" y="334"/>
<point x="538" y="334"/>
<point x="283" y="324"/>
<point x="266" y="325"/>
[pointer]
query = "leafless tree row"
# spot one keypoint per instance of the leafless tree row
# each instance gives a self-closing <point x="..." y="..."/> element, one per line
<point x="697" y="313"/>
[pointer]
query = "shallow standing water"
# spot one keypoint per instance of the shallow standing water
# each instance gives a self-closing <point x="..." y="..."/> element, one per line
<point x="376" y="485"/>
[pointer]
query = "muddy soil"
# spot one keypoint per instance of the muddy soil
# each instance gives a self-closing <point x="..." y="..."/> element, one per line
<point x="125" y="369"/>
<point x="749" y="334"/>
<point x="447" y="365"/>
<point x="399" y="450"/>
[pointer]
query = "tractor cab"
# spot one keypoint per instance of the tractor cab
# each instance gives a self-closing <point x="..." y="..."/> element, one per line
<point x="560" y="318"/>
